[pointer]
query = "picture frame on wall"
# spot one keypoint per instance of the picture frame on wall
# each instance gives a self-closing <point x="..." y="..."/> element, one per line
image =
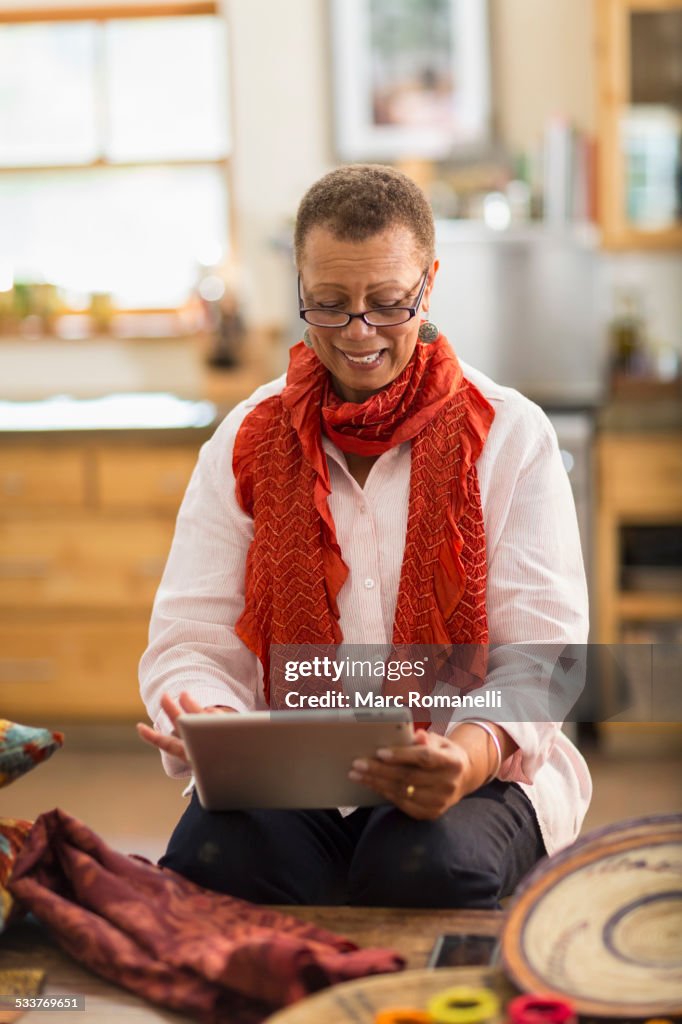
<point x="411" y="78"/>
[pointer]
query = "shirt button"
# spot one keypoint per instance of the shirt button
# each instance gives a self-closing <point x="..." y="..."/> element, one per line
<point x="363" y="509"/>
<point x="369" y="583"/>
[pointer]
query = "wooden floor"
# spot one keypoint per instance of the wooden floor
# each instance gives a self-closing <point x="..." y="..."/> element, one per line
<point x="412" y="933"/>
<point x="113" y="783"/>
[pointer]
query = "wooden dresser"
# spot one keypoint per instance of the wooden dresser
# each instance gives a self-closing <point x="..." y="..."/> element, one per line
<point x="86" y="523"/>
<point x="639" y="485"/>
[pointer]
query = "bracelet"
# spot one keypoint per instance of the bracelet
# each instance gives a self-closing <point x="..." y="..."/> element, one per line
<point x="493" y="736"/>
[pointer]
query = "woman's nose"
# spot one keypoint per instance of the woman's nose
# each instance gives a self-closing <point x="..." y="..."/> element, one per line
<point x="357" y="329"/>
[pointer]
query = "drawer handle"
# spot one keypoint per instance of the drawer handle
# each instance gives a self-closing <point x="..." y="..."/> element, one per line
<point x="12" y="484"/>
<point x="151" y="567"/>
<point x="30" y="569"/>
<point x="26" y="670"/>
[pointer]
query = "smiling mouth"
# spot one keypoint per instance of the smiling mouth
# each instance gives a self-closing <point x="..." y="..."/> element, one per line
<point x="365" y="360"/>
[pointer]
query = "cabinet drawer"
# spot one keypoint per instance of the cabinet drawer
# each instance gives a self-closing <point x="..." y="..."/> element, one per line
<point x="147" y="478"/>
<point x="642" y="475"/>
<point x="82" y="563"/>
<point x="71" y="669"/>
<point x="34" y="479"/>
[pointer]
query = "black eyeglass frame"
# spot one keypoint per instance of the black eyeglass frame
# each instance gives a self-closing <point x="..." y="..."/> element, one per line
<point x="410" y="310"/>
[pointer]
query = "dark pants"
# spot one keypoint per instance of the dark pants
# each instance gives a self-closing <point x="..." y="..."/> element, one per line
<point x="472" y="856"/>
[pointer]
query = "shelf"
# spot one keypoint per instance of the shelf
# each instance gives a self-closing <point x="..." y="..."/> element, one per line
<point x="649" y="605"/>
<point x="616" y="50"/>
<point x="637" y="238"/>
<point x="579" y="233"/>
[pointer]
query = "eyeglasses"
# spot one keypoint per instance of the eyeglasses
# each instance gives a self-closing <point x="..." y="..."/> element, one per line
<point x="383" y="316"/>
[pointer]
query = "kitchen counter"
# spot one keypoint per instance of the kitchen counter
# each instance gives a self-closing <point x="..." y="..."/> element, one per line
<point x="115" y="391"/>
<point x="98" y="441"/>
<point x="88" y="503"/>
<point x="38" y="428"/>
<point x="646" y="417"/>
<point x="34" y="369"/>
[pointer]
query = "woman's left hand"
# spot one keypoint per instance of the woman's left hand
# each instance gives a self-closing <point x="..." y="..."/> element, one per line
<point x="424" y="779"/>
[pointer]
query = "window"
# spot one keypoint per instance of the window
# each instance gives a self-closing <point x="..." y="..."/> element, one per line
<point x="114" y="146"/>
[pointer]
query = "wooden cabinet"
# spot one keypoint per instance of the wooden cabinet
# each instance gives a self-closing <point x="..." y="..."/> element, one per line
<point x="148" y="478"/>
<point x="85" y="529"/>
<point x="54" y="667"/>
<point x="639" y="486"/>
<point x="642" y="476"/>
<point x="639" y="43"/>
<point x="83" y="562"/>
<point x="38" y="479"/>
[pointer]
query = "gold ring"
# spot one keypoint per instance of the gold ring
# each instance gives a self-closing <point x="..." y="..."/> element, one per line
<point x="409" y="791"/>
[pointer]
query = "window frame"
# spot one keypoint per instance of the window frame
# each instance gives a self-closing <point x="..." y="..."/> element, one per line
<point x="118" y="11"/>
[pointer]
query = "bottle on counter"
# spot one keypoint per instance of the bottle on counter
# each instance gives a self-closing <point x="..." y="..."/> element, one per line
<point x="219" y="291"/>
<point x="627" y="343"/>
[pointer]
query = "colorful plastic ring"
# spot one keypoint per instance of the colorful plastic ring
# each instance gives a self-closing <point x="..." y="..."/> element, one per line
<point x="403" y="1015"/>
<point x="464" y="1005"/>
<point x="541" y="1009"/>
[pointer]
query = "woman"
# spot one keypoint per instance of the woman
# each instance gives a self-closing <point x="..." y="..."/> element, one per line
<point x="381" y="493"/>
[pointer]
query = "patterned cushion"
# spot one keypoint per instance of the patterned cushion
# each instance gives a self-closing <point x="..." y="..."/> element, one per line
<point x="22" y="747"/>
<point x="13" y="832"/>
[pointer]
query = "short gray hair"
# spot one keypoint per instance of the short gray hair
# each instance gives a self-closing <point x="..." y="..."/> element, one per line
<point x="358" y="201"/>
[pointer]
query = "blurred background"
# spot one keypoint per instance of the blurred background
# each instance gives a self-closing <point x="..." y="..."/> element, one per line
<point x="152" y="156"/>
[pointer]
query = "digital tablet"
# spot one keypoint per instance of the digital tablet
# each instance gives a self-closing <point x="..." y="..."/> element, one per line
<point x="287" y="759"/>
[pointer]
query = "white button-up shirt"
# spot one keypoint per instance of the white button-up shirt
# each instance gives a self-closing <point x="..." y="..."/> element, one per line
<point x="536" y="591"/>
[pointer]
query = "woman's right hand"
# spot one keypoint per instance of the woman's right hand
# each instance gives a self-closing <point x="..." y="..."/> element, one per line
<point x="171" y="743"/>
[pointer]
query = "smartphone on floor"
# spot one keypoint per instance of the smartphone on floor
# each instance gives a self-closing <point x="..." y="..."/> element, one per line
<point x="463" y="949"/>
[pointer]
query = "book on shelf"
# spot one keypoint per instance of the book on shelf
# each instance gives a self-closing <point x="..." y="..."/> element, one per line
<point x="569" y="179"/>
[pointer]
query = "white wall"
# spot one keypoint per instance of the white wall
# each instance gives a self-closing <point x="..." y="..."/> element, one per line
<point x="542" y="65"/>
<point x="282" y="134"/>
<point x="282" y="103"/>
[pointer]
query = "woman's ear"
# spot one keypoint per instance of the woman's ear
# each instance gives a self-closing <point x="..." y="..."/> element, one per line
<point x="433" y="270"/>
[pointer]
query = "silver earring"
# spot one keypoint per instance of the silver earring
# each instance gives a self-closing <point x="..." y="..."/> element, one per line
<point x="428" y="332"/>
<point x="307" y="340"/>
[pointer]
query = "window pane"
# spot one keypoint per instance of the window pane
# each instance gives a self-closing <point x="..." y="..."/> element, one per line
<point x="167" y="88"/>
<point x="47" y="103"/>
<point x="136" y="233"/>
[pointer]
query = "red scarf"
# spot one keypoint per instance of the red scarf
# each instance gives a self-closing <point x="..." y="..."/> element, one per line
<point x="295" y="568"/>
<point x="211" y="957"/>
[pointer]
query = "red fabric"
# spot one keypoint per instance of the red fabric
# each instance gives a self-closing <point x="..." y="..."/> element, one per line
<point x="147" y="928"/>
<point x="295" y="568"/>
